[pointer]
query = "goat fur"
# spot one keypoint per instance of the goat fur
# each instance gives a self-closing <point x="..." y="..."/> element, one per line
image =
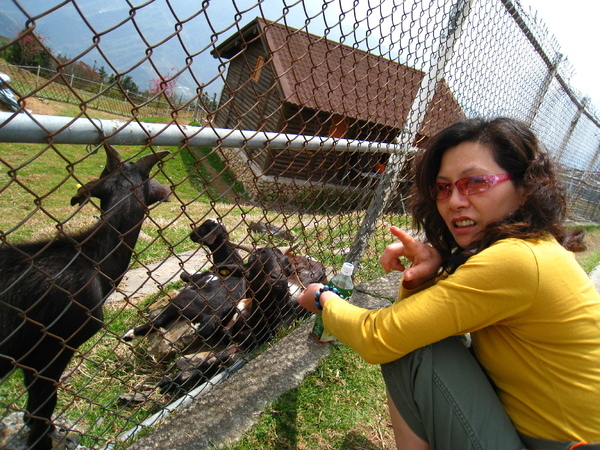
<point x="235" y="304"/>
<point x="52" y="292"/>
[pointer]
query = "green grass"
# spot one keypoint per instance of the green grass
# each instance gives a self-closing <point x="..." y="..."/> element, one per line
<point x="591" y="258"/>
<point x="590" y="261"/>
<point x="339" y="406"/>
<point x="36" y="182"/>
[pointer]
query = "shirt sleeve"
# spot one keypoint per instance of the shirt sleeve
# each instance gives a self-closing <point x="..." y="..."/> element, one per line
<point x="492" y="286"/>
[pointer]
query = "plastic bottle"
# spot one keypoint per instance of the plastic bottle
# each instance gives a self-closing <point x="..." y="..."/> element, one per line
<point x="342" y="281"/>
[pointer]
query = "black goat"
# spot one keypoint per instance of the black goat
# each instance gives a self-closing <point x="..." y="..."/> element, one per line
<point x="210" y="298"/>
<point x="208" y="301"/>
<point x="52" y="292"/>
<point x="237" y="305"/>
<point x="213" y="234"/>
<point x="270" y="229"/>
<point x="249" y="325"/>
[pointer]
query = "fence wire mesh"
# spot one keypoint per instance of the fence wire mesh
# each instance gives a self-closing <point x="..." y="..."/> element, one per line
<point x="339" y="96"/>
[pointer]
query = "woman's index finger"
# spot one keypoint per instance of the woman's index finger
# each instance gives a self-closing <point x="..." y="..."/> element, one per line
<point x="402" y="235"/>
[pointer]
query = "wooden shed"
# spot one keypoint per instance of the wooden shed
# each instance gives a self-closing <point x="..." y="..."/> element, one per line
<point x="281" y="79"/>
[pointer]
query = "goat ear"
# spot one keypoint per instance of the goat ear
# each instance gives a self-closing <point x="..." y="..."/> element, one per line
<point x="158" y="192"/>
<point x="146" y="163"/>
<point x="286" y="266"/>
<point x="113" y="158"/>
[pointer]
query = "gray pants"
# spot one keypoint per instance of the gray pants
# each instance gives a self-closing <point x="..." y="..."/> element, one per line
<point x="446" y="399"/>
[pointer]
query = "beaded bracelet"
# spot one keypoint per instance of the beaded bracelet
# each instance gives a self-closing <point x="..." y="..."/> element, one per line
<point x="325" y="289"/>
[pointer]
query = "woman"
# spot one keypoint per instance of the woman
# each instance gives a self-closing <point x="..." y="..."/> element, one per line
<point x="498" y="266"/>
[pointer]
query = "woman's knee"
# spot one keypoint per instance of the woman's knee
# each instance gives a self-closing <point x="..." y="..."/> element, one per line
<point x="444" y="395"/>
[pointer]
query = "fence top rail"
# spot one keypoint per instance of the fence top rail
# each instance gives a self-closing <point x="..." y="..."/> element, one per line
<point x="548" y="61"/>
<point x="42" y="129"/>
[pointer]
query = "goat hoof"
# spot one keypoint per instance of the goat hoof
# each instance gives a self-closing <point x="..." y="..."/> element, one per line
<point x="128" y="337"/>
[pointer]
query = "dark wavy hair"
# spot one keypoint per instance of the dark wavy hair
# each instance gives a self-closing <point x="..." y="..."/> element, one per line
<point x="517" y="150"/>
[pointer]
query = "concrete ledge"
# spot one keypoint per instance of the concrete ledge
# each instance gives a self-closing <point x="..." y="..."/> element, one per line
<point x="228" y="410"/>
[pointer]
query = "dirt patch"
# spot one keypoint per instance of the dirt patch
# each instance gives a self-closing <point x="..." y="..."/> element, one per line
<point x="43" y="106"/>
<point x="592" y="242"/>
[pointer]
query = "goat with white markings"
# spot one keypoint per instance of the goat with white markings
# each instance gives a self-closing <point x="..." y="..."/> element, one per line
<point x="211" y="299"/>
<point x="213" y="234"/>
<point x="237" y="305"/>
<point x="208" y="301"/>
<point x="52" y="292"/>
<point x="250" y="325"/>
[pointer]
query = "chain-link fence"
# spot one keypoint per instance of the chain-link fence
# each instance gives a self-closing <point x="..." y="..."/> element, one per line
<point x="108" y="97"/>
<point x="270" y="124"/>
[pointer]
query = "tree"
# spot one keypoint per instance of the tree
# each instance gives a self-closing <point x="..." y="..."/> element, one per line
<point x="129" y="85"/>
<point x="102" y="74"/>
<point x="163" y="84"/>
<point x="126" y="83"/>
<point x="78" y="69"/>
<point x="29" y="50"/>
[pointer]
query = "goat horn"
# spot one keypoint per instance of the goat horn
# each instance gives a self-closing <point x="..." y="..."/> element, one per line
<point x="289" y="248"/>
<point x="249" y="248"/>
<point x="246" y="248"/>
<point x="146" y="163"/>
<point x="113" y="159"/>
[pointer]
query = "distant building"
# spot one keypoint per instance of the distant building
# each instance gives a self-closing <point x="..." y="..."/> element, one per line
<point x="281" y="79"/>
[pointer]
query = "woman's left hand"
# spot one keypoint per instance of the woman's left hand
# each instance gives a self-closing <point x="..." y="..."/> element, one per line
<point x="307" y="298"/>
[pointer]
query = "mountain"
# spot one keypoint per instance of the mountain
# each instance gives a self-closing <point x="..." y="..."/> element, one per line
<point x="143" y="40"/>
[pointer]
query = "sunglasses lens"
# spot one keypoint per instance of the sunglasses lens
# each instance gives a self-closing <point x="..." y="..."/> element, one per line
<point x="472" y="185"/>
<point x="468" y="186"/>
<point x="441" y="191"/>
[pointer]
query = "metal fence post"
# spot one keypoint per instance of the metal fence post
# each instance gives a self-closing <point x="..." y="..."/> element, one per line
<point x="584" y="178"/>
<point x="552" y="70"/>
<point x="389" y="181"/>
<point x="563" y="145"/>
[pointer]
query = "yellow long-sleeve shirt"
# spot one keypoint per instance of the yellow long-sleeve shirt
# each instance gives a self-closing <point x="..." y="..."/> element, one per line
<point x="534" y="318"/>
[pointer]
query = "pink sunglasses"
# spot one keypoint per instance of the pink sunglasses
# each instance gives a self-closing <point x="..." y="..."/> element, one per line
<point x="472" y="185"/>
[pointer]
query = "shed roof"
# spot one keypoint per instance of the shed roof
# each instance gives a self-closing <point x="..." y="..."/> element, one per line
<point x="318" y="73"/>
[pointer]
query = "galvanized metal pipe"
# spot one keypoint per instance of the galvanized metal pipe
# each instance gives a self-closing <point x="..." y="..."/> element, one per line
<point x="41" y="129"/>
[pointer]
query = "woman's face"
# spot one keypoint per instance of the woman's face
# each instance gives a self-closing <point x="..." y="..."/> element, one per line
<point x="467" y="215"/>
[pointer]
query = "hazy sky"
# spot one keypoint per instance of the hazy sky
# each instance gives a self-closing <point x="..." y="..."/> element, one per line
<point x="575" y="25"/>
